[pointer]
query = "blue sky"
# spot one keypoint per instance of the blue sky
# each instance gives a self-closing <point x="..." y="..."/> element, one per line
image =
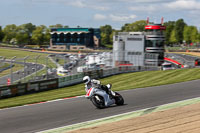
<point x="95" y="13"/>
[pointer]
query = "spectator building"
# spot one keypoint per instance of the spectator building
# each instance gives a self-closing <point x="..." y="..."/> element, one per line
<point x="74" y="38"/>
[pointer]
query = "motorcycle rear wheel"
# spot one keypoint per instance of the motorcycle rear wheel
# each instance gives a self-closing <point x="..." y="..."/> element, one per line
<point x="119" y="99"/>
<point x="98" y="103"/>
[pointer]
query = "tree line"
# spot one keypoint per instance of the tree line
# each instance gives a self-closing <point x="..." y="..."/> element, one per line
<point x="177" y="32"/>
<point x="27" y="34"/>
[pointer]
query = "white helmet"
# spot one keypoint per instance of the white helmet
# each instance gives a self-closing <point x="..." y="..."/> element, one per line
<point x="86" y="79"/>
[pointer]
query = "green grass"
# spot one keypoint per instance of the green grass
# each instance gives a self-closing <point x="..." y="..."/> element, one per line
<point x="119" y="82"/>
<point x="20" y="54"/>
<point x="4" y="65"/>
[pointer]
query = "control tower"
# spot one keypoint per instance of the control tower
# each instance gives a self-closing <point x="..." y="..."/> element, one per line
<point x="140" y="48"/>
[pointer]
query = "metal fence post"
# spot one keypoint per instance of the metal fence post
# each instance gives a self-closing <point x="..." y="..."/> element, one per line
<point x="47" y="66"/>
<point x="36" y="58"/>
<point x="11" y="70"/>
<point x="25" y="58"/>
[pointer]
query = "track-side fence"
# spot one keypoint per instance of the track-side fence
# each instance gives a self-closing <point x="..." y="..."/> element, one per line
<point x="30" y="87"/>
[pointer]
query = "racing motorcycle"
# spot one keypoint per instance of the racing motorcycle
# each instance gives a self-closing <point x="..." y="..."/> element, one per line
<point x="101" y="99"/>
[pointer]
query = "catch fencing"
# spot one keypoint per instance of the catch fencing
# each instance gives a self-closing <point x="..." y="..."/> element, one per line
<point x="38" y="86"/>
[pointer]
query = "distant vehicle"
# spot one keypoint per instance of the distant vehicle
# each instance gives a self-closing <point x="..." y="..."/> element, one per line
<point x="81" y="56"/>
<point x="62" y="72"/>
<point x="72" y="57"/>
<point x="167" y="66"/>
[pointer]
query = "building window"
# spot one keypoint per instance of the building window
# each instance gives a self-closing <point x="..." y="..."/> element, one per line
<point x="134" y="53"/>
<point x="154" y="43"/>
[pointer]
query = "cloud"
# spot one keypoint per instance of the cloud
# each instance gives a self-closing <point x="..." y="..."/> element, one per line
<point x="113" y="17"/>
<point x="149" y="8"/>
<point x="100" y="17"/>
<point x="87" y="4"/>
<point x="122" y="17"/>
<point x="102" y="8"/>
<point x="184" y="5"/>
<point x="78" y="3"/>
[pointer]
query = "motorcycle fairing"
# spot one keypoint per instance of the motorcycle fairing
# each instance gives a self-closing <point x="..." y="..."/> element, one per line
<point x="89" y="92"/>
<point x="106" y="97"/>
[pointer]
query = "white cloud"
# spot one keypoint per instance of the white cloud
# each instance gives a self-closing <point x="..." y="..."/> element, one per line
<point x="87" y="4"/>
<point x="78" y="3"/>
<point x="184" y="5"/>
<point x="122" y="17"/>
<point x="102" y="8"/>
<point x="100" y="17"/>
<point x="149" y="8"/>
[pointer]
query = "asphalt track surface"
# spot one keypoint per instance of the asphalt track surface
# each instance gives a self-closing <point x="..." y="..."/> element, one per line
<point x="40" y="117"/>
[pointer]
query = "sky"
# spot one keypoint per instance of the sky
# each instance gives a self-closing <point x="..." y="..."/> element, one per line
<point x="96" y="13"/>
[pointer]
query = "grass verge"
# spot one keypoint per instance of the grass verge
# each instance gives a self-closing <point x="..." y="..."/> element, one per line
<point x="119" y="82"/>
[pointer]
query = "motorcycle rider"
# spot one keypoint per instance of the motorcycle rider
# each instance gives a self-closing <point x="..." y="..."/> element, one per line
<point x="90" y="82"/>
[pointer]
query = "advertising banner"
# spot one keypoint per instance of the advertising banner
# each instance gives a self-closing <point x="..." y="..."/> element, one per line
<point x="5" y="91"/>
<point x="33" y="87"/>
<point x="21" y="88"/>
<point x="48" y="84"/>
<point x="14" y="90"/>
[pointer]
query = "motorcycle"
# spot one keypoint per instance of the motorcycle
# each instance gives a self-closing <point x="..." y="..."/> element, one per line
<point x="101" y="99"/>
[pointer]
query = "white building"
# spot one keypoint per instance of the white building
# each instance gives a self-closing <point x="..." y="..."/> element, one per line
<point x="139" y="48"/>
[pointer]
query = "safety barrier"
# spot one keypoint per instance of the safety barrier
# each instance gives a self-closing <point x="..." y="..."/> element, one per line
<point x="75" y="79"/>
<point x="30" y="87"/>
<point x="26" y="88"/>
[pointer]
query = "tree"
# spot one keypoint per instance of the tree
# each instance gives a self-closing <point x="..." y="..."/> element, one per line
<point x="41" y="35"/>
<point x="22" y="38"/>
<point x="179" y="28"/>
<point x="186" y="34"/>
<point x="106" y="31"/>
<point x="1" y="34"/>
<point x="123" y="28"/>
<point x="47" y="36"/>
<point x="57" y="26"/>
<point x="169" y="28"/>
<point x="28" y="30"/>
<point x="194" y="34"/>
<point x="190" y="34"/>
<point x="10" y="32"/>
<point x="136" y="26"/>
<point x="172" y="38"/>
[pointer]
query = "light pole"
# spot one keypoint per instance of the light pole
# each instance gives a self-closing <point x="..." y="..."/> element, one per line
<point x="11" y="71"/>
<point x="36" y="58"/>
<point x="25" y="58"/>
<point x="47" y="66"/>
<point x="65" y="60"/>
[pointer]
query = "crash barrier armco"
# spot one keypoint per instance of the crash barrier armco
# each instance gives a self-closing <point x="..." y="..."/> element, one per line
<point x="37" y="86"/>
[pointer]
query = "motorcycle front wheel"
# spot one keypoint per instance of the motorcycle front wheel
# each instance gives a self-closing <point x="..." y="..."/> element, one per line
<point x="98" y="101"/>
<point x="119" y="99"/>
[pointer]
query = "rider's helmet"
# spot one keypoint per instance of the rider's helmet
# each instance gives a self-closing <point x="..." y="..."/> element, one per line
<point x="86" y="79"/>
